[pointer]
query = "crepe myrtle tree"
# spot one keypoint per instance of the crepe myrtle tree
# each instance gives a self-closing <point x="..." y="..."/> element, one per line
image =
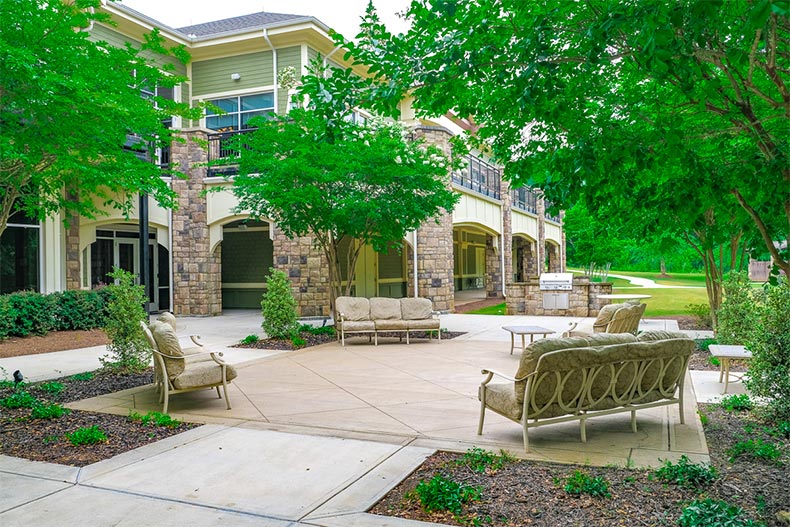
<point x="677" y="111"/>
<point x="76" y="112"/>
<point x="317" y="172"/>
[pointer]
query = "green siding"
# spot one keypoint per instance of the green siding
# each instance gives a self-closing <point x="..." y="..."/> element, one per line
<point x="288" y="57"/>
<point x="312" y="54"/>
<point x="213" y="76"/>
<point x="115" y="39"/>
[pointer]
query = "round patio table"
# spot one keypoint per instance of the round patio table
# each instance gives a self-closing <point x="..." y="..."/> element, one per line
<point x="525" y="330"/>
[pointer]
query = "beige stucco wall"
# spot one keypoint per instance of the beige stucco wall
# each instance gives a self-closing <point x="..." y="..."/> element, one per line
<point x="472" y="209"/>
<point x="525" y="224"/>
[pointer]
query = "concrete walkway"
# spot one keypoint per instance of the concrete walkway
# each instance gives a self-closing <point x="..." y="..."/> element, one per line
<point x="317" y="436"/>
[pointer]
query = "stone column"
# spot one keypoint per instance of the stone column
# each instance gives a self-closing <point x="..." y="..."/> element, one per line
<point x="541" y="242"/>
<point x="197" y="277"/>
<point x="493" y="268"/>
<point x="507" y="232"/>
<point x="307" y="269"/>
<point x="435" y="241"/>
<point x="73" y="260"/>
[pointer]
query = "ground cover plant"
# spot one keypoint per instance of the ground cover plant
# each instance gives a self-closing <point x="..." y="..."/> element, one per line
<point x="744" y="491"/>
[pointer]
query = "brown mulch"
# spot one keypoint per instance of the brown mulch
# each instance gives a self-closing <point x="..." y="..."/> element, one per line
<point x="53" y="341"/>
<point x="531" y="493"/>
<point x="45" y="439"/>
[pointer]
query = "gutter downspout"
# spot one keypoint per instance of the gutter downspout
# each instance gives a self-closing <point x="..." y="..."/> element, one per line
<point x="414" y="259"/>
<point x="274" y="66"/>
<point x="170" y="255"/>
<point x="326" y="59"/>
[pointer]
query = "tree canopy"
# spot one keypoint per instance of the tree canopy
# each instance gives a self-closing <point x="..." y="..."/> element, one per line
<point x="674" y="113"/>
<point x="76" y="113"/>
<point x="321" y="171"/>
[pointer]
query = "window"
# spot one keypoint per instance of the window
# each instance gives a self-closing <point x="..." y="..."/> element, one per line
<point x="19" y="255"/>
<point x="239" y="111"/>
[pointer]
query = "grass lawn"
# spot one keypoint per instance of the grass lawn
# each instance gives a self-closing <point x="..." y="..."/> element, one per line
<point x="693" y="279"/>
<point x="667" y="302"/>
<point x="498" y="309"/>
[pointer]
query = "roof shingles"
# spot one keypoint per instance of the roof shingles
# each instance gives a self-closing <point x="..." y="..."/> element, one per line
<point x="238" y="23"/>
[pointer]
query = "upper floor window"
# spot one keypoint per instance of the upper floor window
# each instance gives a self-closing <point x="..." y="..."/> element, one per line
<point x="238" y="111"/>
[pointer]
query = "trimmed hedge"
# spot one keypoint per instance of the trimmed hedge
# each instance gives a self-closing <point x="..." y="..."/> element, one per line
<point x="29" y="313"/>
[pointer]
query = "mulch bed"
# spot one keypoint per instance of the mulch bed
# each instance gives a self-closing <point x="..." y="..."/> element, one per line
<point x="53" y="341"/>
<point x="45" y="439"/>
<point x="314" y="340"/>
<point x="531" y="493"/>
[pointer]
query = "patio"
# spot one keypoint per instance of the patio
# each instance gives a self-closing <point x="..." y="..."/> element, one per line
<point x="423" y="394"/>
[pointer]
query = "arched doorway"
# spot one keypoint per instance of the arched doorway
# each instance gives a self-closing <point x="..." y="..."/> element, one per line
<point x="247" y="255"/>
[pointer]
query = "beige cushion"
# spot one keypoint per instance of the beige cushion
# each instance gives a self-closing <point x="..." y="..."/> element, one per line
<point x="204" y="373"/>
<point x="604" y="316"/>
<point x="501" y="398"/>
<point x="168" y="318"/>
<point x="392" y="325"/>
<point x="358" y="325"/>
<point x="385" y="309"/>
<point x="167" y="342"/>
<point x="431" y="323"/>
<point x="416" y="308"/>
<point x="353" y="308"/>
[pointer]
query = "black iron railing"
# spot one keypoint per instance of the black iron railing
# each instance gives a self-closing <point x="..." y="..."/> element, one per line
<point x="547" y="205"/>
<point x="479" y="176"/>
<point x="525" y="199"/>
<point x="223" y="152"/>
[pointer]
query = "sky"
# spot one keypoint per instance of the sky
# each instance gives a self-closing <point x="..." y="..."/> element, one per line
<point x="341" y="16"/>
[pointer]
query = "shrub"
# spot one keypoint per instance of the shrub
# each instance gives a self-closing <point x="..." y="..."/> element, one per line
<point x="769" y="369"/>
<point x="582" y="483"/>
<point x="711" y="513"/>
<point x="298" y="341"/>
<point x="48" y="411"/>
<point x="128" y="348"/>
<point x="7" y="319"/>
<point x="250" y="339"/>
<point x="687" y="474"/>
<point x="736" y="403"/>
<point x="72" y="310"/>
<point x="19" y="399"/>
<point x="278" y="306"/>
<point x="738" y="315"/>
<point x="442" y="494"/>
<point x="702" y="313"/>
<point x="31" y="313"/>
<point x="87" y="436"/>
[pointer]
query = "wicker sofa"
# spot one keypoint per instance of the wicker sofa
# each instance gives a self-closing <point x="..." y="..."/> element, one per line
<point x="371" y="316"/>
<point x="576" y="378"/>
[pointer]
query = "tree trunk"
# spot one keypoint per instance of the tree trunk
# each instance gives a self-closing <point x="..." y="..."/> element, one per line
<point x="663" y="267"/>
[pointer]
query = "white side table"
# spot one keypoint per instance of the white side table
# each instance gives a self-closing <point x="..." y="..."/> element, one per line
<point x="725" y="353"/>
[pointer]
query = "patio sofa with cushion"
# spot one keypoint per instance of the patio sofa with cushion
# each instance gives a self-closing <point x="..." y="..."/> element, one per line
<point x="372" y="316"/>
<point x="576" y="378"/>
<point x="612" y="318"/>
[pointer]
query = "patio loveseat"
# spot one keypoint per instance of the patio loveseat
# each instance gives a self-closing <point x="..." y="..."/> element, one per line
<point x="612" y="318"/>
<point x="576" y="378"/>
<point x="357" y="315"/>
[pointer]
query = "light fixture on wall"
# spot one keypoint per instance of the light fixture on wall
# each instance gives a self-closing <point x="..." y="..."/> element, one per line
<point x="235" y="76"/>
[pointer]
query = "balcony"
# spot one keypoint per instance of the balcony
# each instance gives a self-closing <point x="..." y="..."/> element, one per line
<point x="525" y="199"/>
<point x="223" y="149"/>
<point x="479" y="176"/>
<point x="547" y="205"/>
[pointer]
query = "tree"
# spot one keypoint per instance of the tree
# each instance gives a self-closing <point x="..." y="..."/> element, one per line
<point x="278" y="307"/>
<point x="73" y="115"/>
<point x="679" y="110"/>
<point x="317" y="172"/>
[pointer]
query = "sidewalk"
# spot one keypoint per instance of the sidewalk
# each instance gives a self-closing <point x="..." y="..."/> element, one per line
<point x="316" y="437"/>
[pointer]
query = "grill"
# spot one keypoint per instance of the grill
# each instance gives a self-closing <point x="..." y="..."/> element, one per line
<point x="556" y="282"/>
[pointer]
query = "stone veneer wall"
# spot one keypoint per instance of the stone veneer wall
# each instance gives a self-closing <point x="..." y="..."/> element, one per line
<point x="307" y="269"/>
<point x="197" y="277"/>
<point x="435" y="241"/>
<point x="526" y="298"/>
<point x="73" y="261"/>
<point x="493" y="268"/>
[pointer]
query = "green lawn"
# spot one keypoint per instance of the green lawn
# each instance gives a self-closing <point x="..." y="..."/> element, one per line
<point x="693" y="279"/>
<point x="498" y="309"/>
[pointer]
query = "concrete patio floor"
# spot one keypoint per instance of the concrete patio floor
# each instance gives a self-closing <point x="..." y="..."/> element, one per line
<point x="423" y="394"/>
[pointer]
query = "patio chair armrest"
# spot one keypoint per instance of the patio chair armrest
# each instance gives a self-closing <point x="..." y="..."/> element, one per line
<point x="490" y="375"/>
<point x="571" y="327"/>
<point x="196" y="340"/>
<point x="216" y="359"/>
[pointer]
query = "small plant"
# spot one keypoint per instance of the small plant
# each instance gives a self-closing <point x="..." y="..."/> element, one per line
<point x="480" y="460"/>
<point x="50" y="439"/>
<point x="128" y="347"/>
<point x="687" y="474"/>
<point x="714" y="361"/>
<point x="87" y="436"/>
<point x="712" y="513"/>
<point x="756" y="449"/>
<point x="21" y="399"/>
<point x="782" y="429"/>
<point x="736" y="403"/>
<point x="48" y="411"/>
<point x="702" y="313"/>
<point x="155" y="418"/>
<point x="322" y="330"/>
<point x="250" y="339"/>
<point x="703" y="417"/>
<point x="442" y="494"/>
<point x="298" y="341"/>
<point x="278" y="306"/>
<point x="582" y="483"/>
<point x="704" y="344"/>
<point x="53" y="388"/>
<point x="86" y="376"/>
